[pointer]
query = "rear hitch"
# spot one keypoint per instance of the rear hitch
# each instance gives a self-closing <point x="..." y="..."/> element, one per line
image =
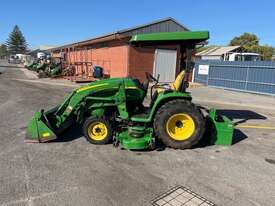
<point x="221" y="128"/>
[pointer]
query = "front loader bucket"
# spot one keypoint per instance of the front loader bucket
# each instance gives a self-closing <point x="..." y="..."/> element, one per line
<point x="221" y="129"/>
<point x="38" y="130"/>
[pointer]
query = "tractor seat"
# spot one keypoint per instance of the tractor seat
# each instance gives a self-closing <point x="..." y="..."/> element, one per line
<point x="175" y="86"/>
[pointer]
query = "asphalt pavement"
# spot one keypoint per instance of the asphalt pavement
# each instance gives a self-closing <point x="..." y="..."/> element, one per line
<point x="73" y="172"/>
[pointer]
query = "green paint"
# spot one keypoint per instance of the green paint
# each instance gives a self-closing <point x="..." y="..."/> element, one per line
<point x="37" y="130"/>
<point x="98" y="112"/>
<point x="161" y="99"/>
<point x="56" y="70"/>
<point x="221" y="129"/>
<point x="121" y="101"/>
<point x="172" y="36"/>
<point x="132" y="143"/>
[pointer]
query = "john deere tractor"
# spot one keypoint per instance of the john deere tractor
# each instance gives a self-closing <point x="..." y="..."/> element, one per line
<point x="112" y="110"/>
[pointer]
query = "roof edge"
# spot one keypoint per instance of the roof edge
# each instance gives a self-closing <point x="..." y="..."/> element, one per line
<point x="152" y="23"/>
<point x="118" y="32"/>
<point x="211" y="51"/>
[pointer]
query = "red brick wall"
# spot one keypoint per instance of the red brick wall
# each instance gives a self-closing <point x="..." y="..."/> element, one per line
<point x="55" y="54"/>
<point x="112" y="56"/>
<point x="117" y="58"/>
<point x="141" y="60"/>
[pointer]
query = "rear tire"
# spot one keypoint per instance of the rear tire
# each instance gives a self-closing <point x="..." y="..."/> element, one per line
<point x="179" y="124"/>
<point x="97" y="130"/>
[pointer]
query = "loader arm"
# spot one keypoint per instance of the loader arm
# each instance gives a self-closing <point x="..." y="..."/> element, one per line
<point x="45" y="126"/>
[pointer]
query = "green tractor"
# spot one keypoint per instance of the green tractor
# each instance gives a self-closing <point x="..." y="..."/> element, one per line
<point x="112" y="110"/>
<point x="31" y="65"/>
<point x="51" y="69"/>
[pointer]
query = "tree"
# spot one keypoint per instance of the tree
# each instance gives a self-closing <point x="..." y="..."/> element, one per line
<point x="3" y="50"/>
<point x="266" y="52"/>
<point x="247" y="41"/>
<point x="250" y="43"/>
<point x="16" y="42"/>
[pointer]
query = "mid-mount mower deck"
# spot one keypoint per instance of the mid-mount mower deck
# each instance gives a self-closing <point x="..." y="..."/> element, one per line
<point x="111" y="110"/>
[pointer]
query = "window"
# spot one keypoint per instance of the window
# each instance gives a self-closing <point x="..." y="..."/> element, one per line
<point x="251" y="58"/>
<point x="238" y="57"/>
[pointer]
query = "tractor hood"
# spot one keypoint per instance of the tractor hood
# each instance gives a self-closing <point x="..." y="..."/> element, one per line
<point x="112" y="83"/>
<point x="103" y="84"/>
<point x="99" y="85"/>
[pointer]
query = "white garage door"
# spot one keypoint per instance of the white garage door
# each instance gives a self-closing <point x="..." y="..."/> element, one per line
<point x="165" y="64"/>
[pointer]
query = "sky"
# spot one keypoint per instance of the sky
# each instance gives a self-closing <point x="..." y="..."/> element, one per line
<point x="56" y="22"/>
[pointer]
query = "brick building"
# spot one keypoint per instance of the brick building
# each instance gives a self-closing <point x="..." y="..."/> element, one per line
<point x="120" y="58"/>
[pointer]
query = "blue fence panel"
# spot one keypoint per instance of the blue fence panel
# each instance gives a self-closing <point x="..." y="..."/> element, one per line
<point x="200" y="78"/>
<point x="256" y="76"/>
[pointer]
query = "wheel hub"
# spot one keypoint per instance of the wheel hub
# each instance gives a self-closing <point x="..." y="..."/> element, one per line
<point x="97" y="131"/>
<point x="180" y="126"/>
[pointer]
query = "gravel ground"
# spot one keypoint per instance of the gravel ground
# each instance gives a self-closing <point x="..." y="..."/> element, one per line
<point x="73" y="172"/>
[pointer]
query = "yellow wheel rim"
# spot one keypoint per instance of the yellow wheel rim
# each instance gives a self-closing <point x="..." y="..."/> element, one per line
<point x="180" y="126"/>
<point x="97" y="131"/>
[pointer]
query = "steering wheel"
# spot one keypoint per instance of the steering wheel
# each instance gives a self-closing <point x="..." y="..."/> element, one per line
<point x="150" y="77"/>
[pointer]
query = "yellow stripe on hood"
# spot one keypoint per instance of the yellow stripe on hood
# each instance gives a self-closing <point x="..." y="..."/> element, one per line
<point x="90" y="87"/>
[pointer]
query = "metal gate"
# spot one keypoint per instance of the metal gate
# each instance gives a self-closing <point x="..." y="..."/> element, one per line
<point x="256" y="77"/>
<point x="165" y="64"/>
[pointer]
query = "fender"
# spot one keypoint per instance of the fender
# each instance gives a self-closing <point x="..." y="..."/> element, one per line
<point x="161" y="100"/>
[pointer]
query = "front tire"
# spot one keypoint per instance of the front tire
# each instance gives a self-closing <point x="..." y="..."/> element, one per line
<point x="179" y="124"/>
<point x="97" y="130"/>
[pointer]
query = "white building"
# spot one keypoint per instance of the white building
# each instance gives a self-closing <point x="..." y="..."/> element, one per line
<point x="228" y="53"/>
<point x="217" y="53"/>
